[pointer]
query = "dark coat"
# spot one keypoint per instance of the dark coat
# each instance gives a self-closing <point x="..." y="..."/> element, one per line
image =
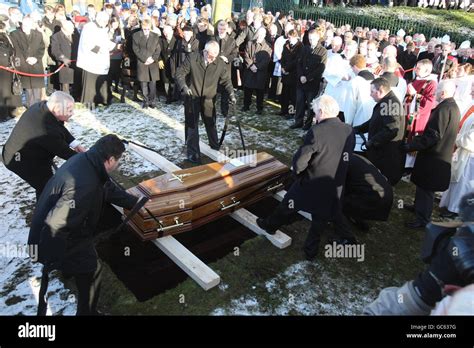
<point x="67" y="213"/>
<point x="144" y="49"/>
<point x="38" y="137"/>
<point x="29" y="46"/>
<point x="228" y="49"/>
<point x="289" y="62"/>
<point x="8" y="101"/>
<point x="167" y="52"/>
<point x="320" y="166"/>
<point x="246" y="35"/>
<point x="183" y="50"/>
<point x="202" y="80"/>
<point x="258" y="54"/>
<point x="407" y="60"/>
<point x="311" y="64"/>
<point x="367" y="194"/>
<point x="432" y="170"/>
<point x="63" y="48"/>
<point x="425" y="55"/>
<point x="386" y="130"/>
<point x="203" y="37"/>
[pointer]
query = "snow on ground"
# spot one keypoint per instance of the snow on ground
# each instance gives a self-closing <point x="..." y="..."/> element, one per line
<point x="293" y="293"/>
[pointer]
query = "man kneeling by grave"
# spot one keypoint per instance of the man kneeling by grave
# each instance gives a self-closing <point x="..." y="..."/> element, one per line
<point x="448" y="250"/>
<point x="320" y="166"/>
<point x="66" y="217"/>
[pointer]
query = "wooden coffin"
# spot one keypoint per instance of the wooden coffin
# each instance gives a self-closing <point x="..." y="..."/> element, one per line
<point x="186" y="199"/>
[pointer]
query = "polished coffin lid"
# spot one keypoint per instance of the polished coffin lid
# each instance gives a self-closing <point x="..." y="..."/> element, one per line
<point x="193" y="193"/>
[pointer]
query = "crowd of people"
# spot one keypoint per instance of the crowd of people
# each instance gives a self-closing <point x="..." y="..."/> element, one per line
<point x="376" y="105"/>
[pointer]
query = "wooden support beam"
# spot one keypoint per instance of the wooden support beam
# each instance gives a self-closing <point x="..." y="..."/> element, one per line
<point x="188" y="262"/>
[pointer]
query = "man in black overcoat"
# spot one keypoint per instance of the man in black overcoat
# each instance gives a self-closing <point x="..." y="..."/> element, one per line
<point x="367" y="194"/>
<point x="147" y="49"/>
<point x="67" y="214"/>
<point x="38" y="137"/>
<point x="198" y="78"/>
<point x="310" y="68"/>
<point x="432" y="169"/>
<point x="320" y="166"/>
<point x="386" y="130"/>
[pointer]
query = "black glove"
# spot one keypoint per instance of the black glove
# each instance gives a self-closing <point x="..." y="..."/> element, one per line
<point x="232" y="99"/>
<point x="405" y="147"/>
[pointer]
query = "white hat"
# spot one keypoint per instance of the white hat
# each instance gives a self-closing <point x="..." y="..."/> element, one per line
<point x="465" y="44"/>
<point x="445" y="39"/>
<point x="401" y="33"/>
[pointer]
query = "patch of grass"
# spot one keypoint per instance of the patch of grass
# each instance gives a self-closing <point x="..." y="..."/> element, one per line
<point x="14" y="300"/>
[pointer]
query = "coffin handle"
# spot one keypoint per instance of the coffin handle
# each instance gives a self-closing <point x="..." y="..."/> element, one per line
<point x="234" y="203"/>
<point x="271" y="188"/>
<point x="166" y="228"/>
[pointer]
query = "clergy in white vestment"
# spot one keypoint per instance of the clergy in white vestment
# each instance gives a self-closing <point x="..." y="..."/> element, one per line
<point x="93" y="57"/>
<point x="359" y="104"/>
<point x="464" y="82"/>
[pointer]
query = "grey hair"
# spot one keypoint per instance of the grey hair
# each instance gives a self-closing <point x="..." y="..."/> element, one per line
<point x="327" y="104"/>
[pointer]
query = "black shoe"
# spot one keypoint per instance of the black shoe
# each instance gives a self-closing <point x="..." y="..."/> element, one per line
<point x="360" y="224"/>
<point x="448" y="214"/>
<point x="122" y="100"/>
<point x="409" y="207"/>
<point x="245" y="108"/>
<point x="264" y="226"/>
<point x="152" y="106"/>
<point x="260" y="112"/>
<point x="310" y="257"/>
<point x="343" y="241"/>
<point x="194" y="159"/>
<point x="296" y="125"/>
<point x="415" y="225"/>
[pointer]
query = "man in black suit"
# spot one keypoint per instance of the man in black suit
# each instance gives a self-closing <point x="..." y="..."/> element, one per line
<point x="146" y="46"/>
<point x="228" y="52"/>
<point x="198" y="78"/>
<point x="168" y="44"/>
<point x="320" y="166"/>
<point x="386" y="130"/>
<point x="38" y="137"/>
<point x="432" y="169"/>
<point x="309" y="72"/>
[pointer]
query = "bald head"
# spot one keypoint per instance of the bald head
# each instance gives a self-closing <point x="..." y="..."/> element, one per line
<point x="389" y="51"/>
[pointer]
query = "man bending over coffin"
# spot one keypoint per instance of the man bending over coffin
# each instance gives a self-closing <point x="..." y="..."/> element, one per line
<point x="38" y="137"/>
<point x="66" y="216"/>
<point x="367" y="193"/>
<point x="320" y="166"/>
<point x="198" y="78"/>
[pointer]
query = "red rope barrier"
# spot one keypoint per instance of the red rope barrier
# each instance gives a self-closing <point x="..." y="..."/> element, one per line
<point x="31" y="75"/>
